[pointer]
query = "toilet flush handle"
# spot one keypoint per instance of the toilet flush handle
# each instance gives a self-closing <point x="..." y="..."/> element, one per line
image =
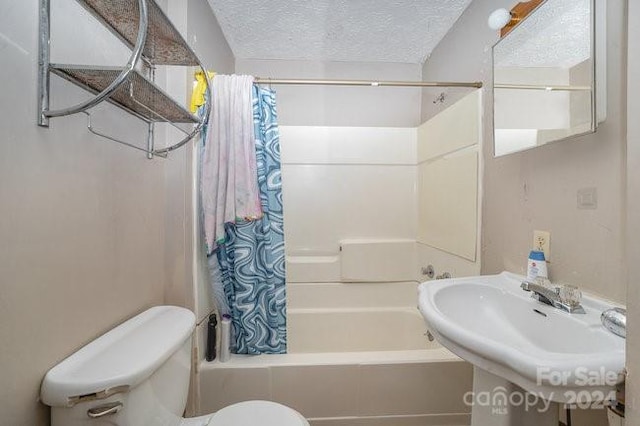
<point x="104" y="410"/>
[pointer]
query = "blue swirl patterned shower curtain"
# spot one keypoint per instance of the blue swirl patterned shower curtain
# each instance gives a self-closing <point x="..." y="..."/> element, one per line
<point x="251" y="259"/>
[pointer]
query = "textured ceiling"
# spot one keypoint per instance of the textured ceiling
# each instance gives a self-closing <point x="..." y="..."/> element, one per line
<point x="336" y="30"/>
<point x="556" y="35"/>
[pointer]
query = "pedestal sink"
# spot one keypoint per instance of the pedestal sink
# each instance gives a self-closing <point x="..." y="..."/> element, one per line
<point x="518" y="344"/>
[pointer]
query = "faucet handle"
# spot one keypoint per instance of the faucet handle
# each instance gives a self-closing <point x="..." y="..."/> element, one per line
<point x="526" y="285"/>
<point x="570" y="295"/>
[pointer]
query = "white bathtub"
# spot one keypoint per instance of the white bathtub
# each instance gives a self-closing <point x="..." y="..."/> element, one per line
<point x="356" y="330"/>
<point x="358" y="355"/>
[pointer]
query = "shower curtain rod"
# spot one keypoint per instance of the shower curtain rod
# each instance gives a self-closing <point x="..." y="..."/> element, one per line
<point x="371" y="83"/>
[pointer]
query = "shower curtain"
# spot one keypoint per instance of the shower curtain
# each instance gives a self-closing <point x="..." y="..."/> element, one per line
<point x="250" y="261"/>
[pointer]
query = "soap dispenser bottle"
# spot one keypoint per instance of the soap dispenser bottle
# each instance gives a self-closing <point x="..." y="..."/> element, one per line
<point x="536" y="266"/>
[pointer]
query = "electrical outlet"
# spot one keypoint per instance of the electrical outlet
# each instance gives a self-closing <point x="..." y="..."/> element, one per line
<point x="541" y="242"/>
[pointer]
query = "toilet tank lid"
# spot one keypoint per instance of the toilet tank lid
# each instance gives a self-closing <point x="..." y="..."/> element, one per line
<point x="120" y="359"/>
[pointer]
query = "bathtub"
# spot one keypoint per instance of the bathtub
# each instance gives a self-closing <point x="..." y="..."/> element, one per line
<point x="325" y="330"/>
<point x="358" y="355"/>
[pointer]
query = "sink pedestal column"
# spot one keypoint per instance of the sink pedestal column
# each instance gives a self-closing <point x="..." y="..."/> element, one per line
<point x="498" y="402"/>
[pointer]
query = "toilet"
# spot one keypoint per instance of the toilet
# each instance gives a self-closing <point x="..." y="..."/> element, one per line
<point x="137" y="374"/>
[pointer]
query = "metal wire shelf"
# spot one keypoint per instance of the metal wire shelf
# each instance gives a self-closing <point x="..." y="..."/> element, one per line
<point x="164" y="44"/>
<point x="129" y="96"/>
<point x="142" y="26"/>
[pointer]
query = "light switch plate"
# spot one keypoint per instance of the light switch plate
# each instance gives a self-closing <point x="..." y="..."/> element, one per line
<point x="587" y="198"/>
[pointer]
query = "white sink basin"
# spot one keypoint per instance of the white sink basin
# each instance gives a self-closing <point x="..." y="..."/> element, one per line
<point x="495" y="325"/>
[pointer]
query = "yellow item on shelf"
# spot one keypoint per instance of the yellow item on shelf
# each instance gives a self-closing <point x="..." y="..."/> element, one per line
<point x="197" y="97"/>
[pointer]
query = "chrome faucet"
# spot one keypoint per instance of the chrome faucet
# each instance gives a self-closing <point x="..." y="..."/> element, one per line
<point x="551" y="296"/>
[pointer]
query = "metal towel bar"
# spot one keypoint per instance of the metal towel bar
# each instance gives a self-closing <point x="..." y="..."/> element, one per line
<point x="111" y="138"/>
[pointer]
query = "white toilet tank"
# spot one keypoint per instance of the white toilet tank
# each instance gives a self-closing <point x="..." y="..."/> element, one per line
<point x="135" y="375"/>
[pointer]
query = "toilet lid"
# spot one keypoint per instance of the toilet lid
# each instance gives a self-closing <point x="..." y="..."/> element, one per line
<point x="259" y="413"/>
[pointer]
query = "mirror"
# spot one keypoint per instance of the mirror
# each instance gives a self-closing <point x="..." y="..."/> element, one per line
<point x="544" y="74"/>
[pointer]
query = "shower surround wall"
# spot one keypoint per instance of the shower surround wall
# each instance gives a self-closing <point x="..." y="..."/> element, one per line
<point x="342" y="184"/>
<point x="448" y="191"/>
<point x="348" y="160"/>
<point x="352" y="158"/>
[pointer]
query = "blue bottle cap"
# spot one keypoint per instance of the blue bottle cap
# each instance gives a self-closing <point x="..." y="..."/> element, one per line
<point x="536" y="255"/>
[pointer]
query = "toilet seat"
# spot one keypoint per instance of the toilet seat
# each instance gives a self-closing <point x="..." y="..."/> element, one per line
<point x="259" y="413"/>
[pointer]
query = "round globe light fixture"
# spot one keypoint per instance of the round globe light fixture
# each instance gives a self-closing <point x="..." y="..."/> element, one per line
<point x="499" y="18"/>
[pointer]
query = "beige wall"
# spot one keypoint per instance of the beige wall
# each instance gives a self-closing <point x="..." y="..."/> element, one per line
<point x="88" y="227"/>
<point x="82" y="225"/>
<point x="185" y="261"/>
<point x="341" y="106"/>
<point x="633" y="218"/>
<point x="537" y="189"/>
<point x="205" y="37"/>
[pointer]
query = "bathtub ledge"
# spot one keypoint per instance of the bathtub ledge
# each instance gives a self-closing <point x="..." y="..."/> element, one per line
<point x="335" y="358"/>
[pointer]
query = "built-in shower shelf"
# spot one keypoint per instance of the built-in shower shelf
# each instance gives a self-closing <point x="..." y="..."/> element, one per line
<point x="164" y="45"/>
<point x="137" y="95"/>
